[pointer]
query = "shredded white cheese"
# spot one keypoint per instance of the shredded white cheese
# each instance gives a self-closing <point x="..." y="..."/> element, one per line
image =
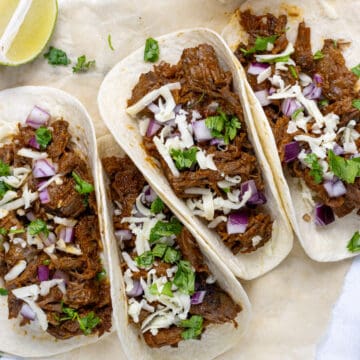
<point x="205" y="161"/>
<point x="16" y="270"/>
<point x="32" y="154"/>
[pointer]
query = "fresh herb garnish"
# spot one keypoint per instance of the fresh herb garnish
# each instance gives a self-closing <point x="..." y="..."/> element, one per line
<point x="194" y="327"/>
<point x="43" y="136"/>
<point x="354" y="243"/>
<point x="316" y="169"/>
<point x="46" y="262"/>
<point x="223" y="126"/>
<point x="284" y="58"/>
<point x="153" y="289"/>
<point x="296" y="113"/>
<point x="184" y="159"/>
<point x="101" y="275"/>
<point x="356" y="104"/>
<point x="167" y="289"/>
<point x="110" y="42"/>
<point x="165" y="229"/>
<point x="293" y="71"/>
<point x="152" y="50"/>
<point x="356" y="70"/>
<point x="3" y="231"/>
<point x="171" y="255"/>
<point x="3" y="292"/>
<point x="318" y="55"/>
<point x="185" y="277"/>
<point x="324" y="102"/>
<point x="16" y="231"/>
<point x="159" y="250"/>
<point x="4" y="169"/>
<point x="157" y="206"/>
<point x="344" y="169"/>
<point x="145" y="260"/>
<point x="82" y="65"/>
<point x="261" y="44"/>
<point x="56" y="57"/>
<point x="38" y="226"/>
<point x="4" y="187"/>
<point x="88" y="323"/>
<point x="82" y="186"/>
<point x="226" y="190"/>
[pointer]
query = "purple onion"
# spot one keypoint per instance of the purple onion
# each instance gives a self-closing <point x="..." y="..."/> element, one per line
<point x="257" y="68"/>
<point x="338" y="150"/>
<point x="150" y="195"/>
<point x="58" y="274"/>
<point x="51" y="239"/>
<point x="27" y="312"/>
<point x="33" y="143"/>
<point x="335" y="187"/>
<point x="198" y="297"/>
<point x="292" y="150"/>
<point x="154" y="108"/>
<point x="30" y="216"/>
<point x="318" y="79"/>
<point x="37" y="117"/>
<point x="217" y="142"/>
<point x="67" y="234"/>
<point x="137" y="289"/>
<point x="43" y="273"/>
<point x="312" y="92"/>
<point x="201" y="131"/>
<point x="262" y="96"/>
<point x="123" y="235"/>
<point x="272" y="90"/>
<point x="237" y="223"/>
<point x="323" y="215"/>
<point x="44" y="196"/>
<point x="42" y="168"/>
<point x="257" y="197"/>
<point x="153" y="128"/>
<point x="289" y="106"/>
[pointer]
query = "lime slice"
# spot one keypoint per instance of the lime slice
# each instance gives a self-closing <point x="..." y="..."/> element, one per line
<point x="25" y="28"/>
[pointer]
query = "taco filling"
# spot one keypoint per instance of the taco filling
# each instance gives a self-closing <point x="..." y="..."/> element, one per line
<point x="50" y="245"/>
<point x="192" y="124"/>
<point x="171" y="293"/>
<point x="312" y="104"/>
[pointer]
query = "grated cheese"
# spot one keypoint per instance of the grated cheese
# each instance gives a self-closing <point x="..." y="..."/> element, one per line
<point x="32" y="154"/>
<point x="15" y="271"/>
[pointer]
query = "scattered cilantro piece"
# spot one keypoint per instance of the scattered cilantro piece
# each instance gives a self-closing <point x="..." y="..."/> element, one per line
<point x="47" y="262"/>
<point x="261" y="44"/>
<point x="171" y="255"/>
<point x="159" y="250"/>
<point x="157" y="206"/>
<point x="185" y="277"/>
<point x="194" y="327"/>
<point x="167" y="289"/>
<point x="4" y="169"/>
<point x="3" y="292"/>
<point x="153" y="289"/>
<point x="293" y="71"/>
<point x="152" y="50"/>
<point x="4" y="187"/>
<point x="110" y="42"/>
<point x="324" y="102"/>
<point x="354" y="243"/>
<point x="296" y="113"/>
<point x="356" y="70"/>
<point x="316" y="169"/>
<point x="3" y="231"/>
<point x="145" y="260"/>
<point x="184" y="159"/>
<point x="38" y="226"/>
<point x="16" y="231"/>
<point x="56" y="57"/>
<point x="165" y="229"/>
<point x="101" y="275"/>
<point x="70" y="313"/>
<point x="284" y="58"/>
<point x="43" y="136"/>
<point x="88" y="323"/>
<point x="318" y="55"/>
<point x="344" y="169"/>
<point x="82" y="65"/>
<point x="82" y="186"/>
<point x="226" y="190"/>
<point x="356" y="104"/>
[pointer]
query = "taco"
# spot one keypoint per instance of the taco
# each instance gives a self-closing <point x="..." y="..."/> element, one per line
<point x="182" y="124"/>
<point x="55" y="293"/>
<point x="305" y="103"/>
<point x="175" y="298"/>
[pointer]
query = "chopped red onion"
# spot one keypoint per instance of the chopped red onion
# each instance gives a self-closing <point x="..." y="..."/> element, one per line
<point x="312" y="92"/>
<point x="67" y="234"/>
<point x="153" y="128"/>
<point x="33" y="143"/>
<point x="289" y="106"/>
<point x="217" y="141"/>
<point x="37" y="117"/>
<point x="43" y="273"/>
<point x="292" y="150"/>
<point x="30" y="216"/>
<point x="257" y="197"/>
<point x="272" y="90"/>
<point x="51" y="239"/>
<point x="137" y="289"/>
<point x="58" y="274"/>
<point x="262" y="96"/>
<point x="323" y="215"/>
<point x="43" y="168"/>
<point x="237" y="223"/>
<point x="177" y="109"/>
<point x="335" y="187"/>
<point x="318" y="79"/>
<point x="257" y="68"/>
<point x="201" y="131"/>
<point x="150" y="195"/>
<point x="154" y="108"/>
<point x="27" y="312"/>
<point x="198" y="297"/>
<point x="44" y="196"/>
<point x="123" y="235"/>
<point x="338" y="150"/>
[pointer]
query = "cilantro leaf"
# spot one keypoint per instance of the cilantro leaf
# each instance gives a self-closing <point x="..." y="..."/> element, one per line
<point x="261" y="44"/>
<point x="4" y="187"/>
<point x="185" y="277"/>
<point x="82" y="186"/>
<point x="4" y="169"/>
<point x="82" y="65"/>
<point x="88" y="323"/>
<point x="38" y="226"/>
<point x="43" y="136"/>
<point x="318" y="55"/>
<point x="3" y="292"/>
<point x="159" y="250"/>
<point x="101" y="275"/>
<point x="184" y="159"/>
<point x="46" y="262"/>
<point x="145" y="260"/>
<point x="344" y="169"/>
<point x="293" y="71"/>
<point x="152" y="50"/>
<point x="194" y="327"/>
<point x="3" y="231"/>
<point x="356" y="104"/>
<point x="110" y="42"/>
<point x="153" y="289"/>
<point x="171" y="255"/>
<point x="284" y="58"/>
<point x="56" y="57"/>
<point x="157" y="206"/>
<point x="296" y="113"/>
<point x="71" y="313"/>
<point x="165" y="229"/>
<point x="356" y="70"/>
<point x="167" y="289"/>
<point x="354" y="243"/>
<point x="16" y="231"/>
<point x="316" y="169"/>
<point x="324" y="102"/>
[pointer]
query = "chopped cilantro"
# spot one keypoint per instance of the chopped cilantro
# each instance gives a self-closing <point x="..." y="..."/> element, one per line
<point x="284" y="58"/>
<point x="56" y="57"/>
<point x="157" y="206"/>
<point x="3" y="292"/>
<point x="324" y="102"/>
<point x="3" y="231"/>
<point x="171" y="255"/>
<point x="344" y="169"/>
<point x="153" y="289"/>
<point x="145" y="260"/>
<point x="185" y="277"/>
<point x="318" y="55"/>
<point x="4" y="187"/>
<point x="165" y="229"/>
<point x="38" y="226"/>
<point x="88" y="323"/>
<point x="159" y="250"/>
<point x="82" y="186"/>
<point x="184" y="159"/>
<point x="71" y="314"/>
<point x="316" y="169"/>
<point x="194" y="327"/>
<point x="110" y="42"/>
<point x="354" y="243"/>
<point x="356" y="104"/>
<point x="46" y="262"/>
<point x="152" y="50"/>
<point x="16" y="231"/>
<point x="293" y="71"/>
<point x="226" y="190"/>
<point x="82" y="65"/>
<point x="100" y="276"/>
<point x="167" y="289"/>
<point x="261" y="44"/>
<point x="356" y="70"/>
<point x="43" y="136"/>
<point x="296" y="113"/>
<point x="4" y="169"/>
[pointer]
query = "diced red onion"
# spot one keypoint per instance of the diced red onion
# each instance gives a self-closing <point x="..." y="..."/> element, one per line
<point x="37" y="117"/>
<point x="217" y="141"/>
<point x="201" y="131"/>
<point x="123" y="235"/>
<point x="154" y="108"/>
<point x="153" y="128"/>
<point x="312" y="92"/>
<point x="58" y="274"/>
<point x="43" y="273"/>
<point x="318" y="79"/>
<point x="177" y="109"/>
<point x="137" y="289"/>
<point x="27" y="312"/>
<point x="67" y="234"/>
<point x="257" y="68"/>
<point x="335" y="187"/>
<point x="198" y="297"/>
<point x="323" y="215"/>
<point x="150" y="195"/>
<point x="33" y="143"/>
<point x="51" y="239"/>
<point x="338" y="150"/>
<point x="30" y="216"/>
<point x="292" y="150"/>
<point x="257" y="197"/>
<point x="262" y="96"/>
<point x="272" y="90"/>
<point x="44" y="196"/>
<point x="43" y="168"/>
<point x="237" y="223"/>
<point x="289" y="106"/>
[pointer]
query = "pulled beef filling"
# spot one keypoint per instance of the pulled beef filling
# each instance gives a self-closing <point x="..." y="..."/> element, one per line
<point x="334" y="94"/>
<point x="216" y="305"/>
<point x="81" y="304"/>
<point x="206" y="91"/>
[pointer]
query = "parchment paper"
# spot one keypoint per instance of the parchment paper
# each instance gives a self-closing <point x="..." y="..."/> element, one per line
<point x="292" y="304"/>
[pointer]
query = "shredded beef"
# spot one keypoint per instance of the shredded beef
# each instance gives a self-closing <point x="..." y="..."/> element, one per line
<point x="303" y="53"/>
<point x="164" y="337"/>
<point x="60" y="138"/>
<point x="7" y="153"/>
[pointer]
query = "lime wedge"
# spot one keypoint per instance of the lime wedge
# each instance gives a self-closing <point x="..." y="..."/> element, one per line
<point x="25" y="28"/>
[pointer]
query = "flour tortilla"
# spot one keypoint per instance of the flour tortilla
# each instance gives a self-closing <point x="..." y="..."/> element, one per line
<point x="215" y="340"/>
<point x="327" y="19"/>
<point x="15" y="105"/>
<point x="112" y="100"/>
